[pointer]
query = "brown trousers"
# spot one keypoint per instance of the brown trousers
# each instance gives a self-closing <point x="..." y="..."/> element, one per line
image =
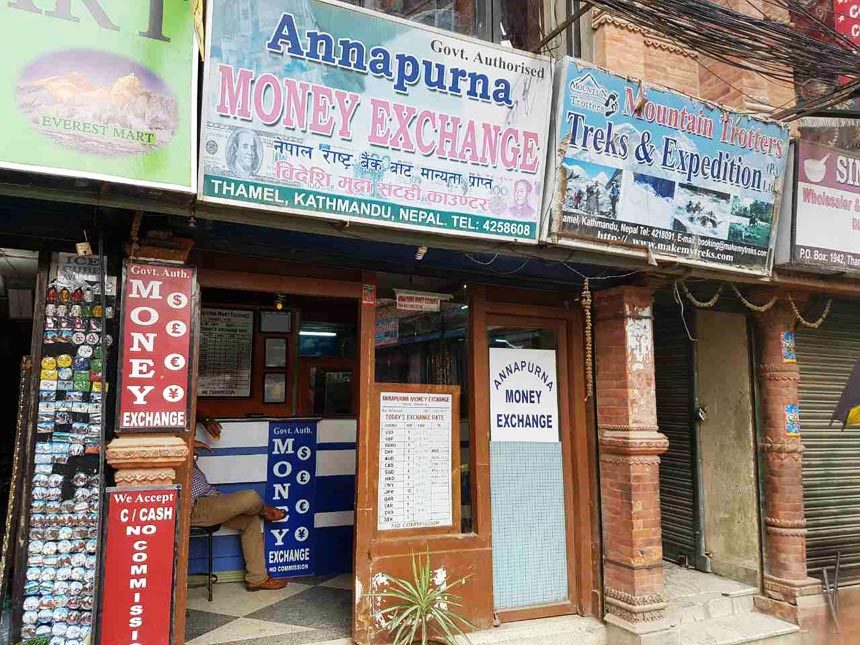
<point x="239" y="511"/>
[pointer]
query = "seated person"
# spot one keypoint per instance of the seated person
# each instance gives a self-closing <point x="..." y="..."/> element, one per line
<point x="241" y="510"/>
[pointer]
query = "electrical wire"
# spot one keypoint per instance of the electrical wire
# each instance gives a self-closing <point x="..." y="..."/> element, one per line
<point x="771" y="48"/>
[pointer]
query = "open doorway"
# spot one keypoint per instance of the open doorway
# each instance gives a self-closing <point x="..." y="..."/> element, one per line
<point x="267" y="361"/>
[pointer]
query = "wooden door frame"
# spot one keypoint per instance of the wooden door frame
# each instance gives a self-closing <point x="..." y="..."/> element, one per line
<point x="578" y="443"/>
<point x="359" y="291"/>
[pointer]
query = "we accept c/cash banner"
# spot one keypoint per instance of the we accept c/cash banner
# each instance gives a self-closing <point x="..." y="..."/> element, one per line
<point x="104" y="89"/>
<point x="639" y="167"/>
<point x="322" y="108"/>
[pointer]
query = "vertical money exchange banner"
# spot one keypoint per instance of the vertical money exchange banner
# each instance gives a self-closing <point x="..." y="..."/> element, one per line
<point x="103" y="89"/>
<point x="139" y="566"/>
<point x="157" y="340"/>
<point x="290" y="485"/>
<point x="644" y="168"/>
<point x="330" y="110"/>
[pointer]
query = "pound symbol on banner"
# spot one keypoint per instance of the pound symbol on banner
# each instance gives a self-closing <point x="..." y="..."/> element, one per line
<point x="176" y="328"/>
<point x="303" y="477"/>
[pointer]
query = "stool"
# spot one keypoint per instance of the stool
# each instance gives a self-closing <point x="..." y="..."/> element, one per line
<point x="207" y="532"/>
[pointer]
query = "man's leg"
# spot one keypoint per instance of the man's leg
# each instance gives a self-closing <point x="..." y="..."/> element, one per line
<point x="252" y="547"/>
<point x="217" y="509"/>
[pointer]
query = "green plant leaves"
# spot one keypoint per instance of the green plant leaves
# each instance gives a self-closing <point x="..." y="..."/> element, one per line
<point x="421" y="608"/>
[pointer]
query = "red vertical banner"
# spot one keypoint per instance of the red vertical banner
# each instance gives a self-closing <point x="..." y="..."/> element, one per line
<point x="156" y="353"/>
<point x="139" y="565"/>
<point x="846" y="19"/>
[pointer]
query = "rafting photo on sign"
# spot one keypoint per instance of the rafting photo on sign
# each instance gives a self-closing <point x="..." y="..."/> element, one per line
<point x="329" y="110"/>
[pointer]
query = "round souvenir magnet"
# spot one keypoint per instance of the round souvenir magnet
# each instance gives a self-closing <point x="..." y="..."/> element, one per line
<point x="64" y="360"/>
<point x="74" y="629"/>
<point x="85" y="351"/>
<point x="59" y="629"/>
<point x="57" y="640"/>
<point x="35" y="546"/>
<point x="62" y="311"/>
<point x="79" y="337"/>
<point x="78" y="573"/>
<point x="93" y="338"/>
<point x="81" y="364"/>
<point x="46" y="587"/>
<point x="76" y="450"/>
<point x="49" y="337"/>
<point x="51" y="309"/>
<point x="97" y="311"/>
<point x="31" y="603"/>
<point x="49" y="548"/>
<point x="65" y="573"/>
<point x="47" y="573"/>
<point x="78" y="324"/>
<point x="29" y="618"/>
<point x="45" y="616"/>
<point x="65" y="373"/>
<point x="66" y="533"/>
<point x="55" y="480"/>
<point x="76" y="588"/>
<point x="78" y="295"/>
<point x="49" y="363"/>
<point x="76" y="310"/>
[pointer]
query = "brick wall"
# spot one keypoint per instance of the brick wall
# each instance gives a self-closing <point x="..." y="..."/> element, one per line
<point x="630" y="50"/>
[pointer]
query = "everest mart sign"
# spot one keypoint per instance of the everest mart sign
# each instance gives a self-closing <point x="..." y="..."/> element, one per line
<point x="103" y="89"/>
<point x="334" y="111"/>
<point x="158" y="321"/>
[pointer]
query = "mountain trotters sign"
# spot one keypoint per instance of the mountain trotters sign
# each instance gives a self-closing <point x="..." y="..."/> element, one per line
<point x="159" y="306"/>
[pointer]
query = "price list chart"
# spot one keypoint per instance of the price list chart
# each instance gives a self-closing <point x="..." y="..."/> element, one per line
<point x="415" y="461"/>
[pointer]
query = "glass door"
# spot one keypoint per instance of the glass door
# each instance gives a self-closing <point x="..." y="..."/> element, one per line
<point x="528" y="423"/>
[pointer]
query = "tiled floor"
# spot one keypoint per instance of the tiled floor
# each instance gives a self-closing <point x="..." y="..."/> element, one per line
<point x="309" y="610"/>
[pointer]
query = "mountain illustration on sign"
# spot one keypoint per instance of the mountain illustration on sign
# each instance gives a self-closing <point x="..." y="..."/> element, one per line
<point x="107" y="106"/>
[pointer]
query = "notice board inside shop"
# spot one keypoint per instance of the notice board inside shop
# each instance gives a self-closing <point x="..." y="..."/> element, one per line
<point x="419" y="458"/>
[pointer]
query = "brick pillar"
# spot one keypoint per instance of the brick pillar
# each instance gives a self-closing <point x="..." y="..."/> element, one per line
<point x="630" y="445"/>
<point x="785" y="580"/>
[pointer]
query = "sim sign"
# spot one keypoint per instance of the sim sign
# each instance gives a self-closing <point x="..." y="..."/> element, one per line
<point x="158" y="321"/>
<point x="290" y="486"/>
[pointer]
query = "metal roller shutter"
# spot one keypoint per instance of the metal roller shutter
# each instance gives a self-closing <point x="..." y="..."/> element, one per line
<point x="674" y="385"/>
<point x="831" y="462"/>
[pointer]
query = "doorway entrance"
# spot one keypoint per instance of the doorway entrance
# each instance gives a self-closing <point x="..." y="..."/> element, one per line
<point x="271" y="360"/>
<point x="540" y="473"/>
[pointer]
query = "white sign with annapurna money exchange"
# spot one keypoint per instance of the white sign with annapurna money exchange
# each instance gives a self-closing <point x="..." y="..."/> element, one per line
<point x="523" y="395"/>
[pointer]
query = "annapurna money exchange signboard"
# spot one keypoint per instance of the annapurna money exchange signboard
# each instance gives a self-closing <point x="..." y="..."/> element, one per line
<point x="643" y="168"/>
<point x="325" y="109"/>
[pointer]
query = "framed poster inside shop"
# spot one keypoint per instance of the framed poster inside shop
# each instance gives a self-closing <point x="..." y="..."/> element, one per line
<point x="74" y="330"/>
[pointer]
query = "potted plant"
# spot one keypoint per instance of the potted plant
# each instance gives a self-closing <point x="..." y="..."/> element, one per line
<point x="422" y="609"/>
